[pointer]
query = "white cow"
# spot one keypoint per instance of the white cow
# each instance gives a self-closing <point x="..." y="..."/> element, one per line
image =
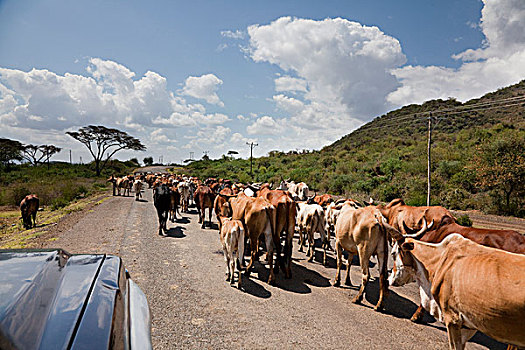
<point x="184" y="190"/>
<point x="311" y="219"/>
<point x="232" y="240"/>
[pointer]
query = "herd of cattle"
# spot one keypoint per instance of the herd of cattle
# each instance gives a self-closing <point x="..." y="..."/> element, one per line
<point x="469" y="278"/>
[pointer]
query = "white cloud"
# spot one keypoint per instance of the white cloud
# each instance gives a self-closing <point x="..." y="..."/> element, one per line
<point x="500" y="62"/>
<point x="265" y="125"/>
<point x="233" y="35"/>
<point x="341" y="69"/>
<point x="44" y="104"/>
<point x="287" y="83"/>
<point x="204" y="87"/>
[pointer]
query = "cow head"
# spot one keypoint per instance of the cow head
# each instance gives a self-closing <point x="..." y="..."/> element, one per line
<point x="404" y="270"/>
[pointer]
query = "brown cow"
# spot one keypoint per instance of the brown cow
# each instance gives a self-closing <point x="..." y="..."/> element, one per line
<point x="219" y="205"/>
<point x="397" y="212"/>
<point x="323" y="200"/>
<point x="509" y="240"/>
<point x="258" y="216"/>
<point x="469" y="287"/>
<point x="204" y="198"/>
<point x="174" y="203"/>
<point x="28" y="207"/>
<point x="285" y="222"/>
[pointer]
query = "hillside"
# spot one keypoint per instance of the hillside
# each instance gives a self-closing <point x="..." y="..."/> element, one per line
<point x="386" y="158"/>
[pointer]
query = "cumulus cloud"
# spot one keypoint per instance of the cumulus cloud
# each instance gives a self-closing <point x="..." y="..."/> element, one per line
<point x="287" y="83"/>
<point x="340" y="68"/>
<point x="41" y="102"/>
<point x="499" y="62"/>
<point x="265" y="125"/>
<point x="204" y="87"/>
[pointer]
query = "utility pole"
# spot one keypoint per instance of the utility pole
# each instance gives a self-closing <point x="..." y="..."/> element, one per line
<point x="191" y="155"/>
<point x="70" y="159"/>
<point x="429" y="163"/>
<point x="252" y="145"/>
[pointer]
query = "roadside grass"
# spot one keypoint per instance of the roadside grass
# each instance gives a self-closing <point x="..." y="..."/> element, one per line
<point x="13" y="235"/>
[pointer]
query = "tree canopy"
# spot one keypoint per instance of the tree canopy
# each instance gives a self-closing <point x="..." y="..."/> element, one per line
<point x="101" y="140"/>
<point x="10" y="150"/>
<point x="35" y="154"/>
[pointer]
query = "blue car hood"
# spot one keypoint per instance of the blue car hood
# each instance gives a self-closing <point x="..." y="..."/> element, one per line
<point x="54" y="300"/>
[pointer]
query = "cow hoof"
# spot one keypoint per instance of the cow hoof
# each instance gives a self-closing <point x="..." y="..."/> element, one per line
<point x="356" y="300"/>
<point x="348" y="283"/>
<point x="416" y="318"/>
<point x="336" y="283"/>
<point x="378" y="307"/>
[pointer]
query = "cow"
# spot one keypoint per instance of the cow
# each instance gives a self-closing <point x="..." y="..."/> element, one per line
<point x="232" y="240"/>
<point x="509" y="240"/>
<point x="298" y="191"/>
<point x="28" y="208"/>
<point x="184" y="190"/>
<point x="324" y="200"/>
<point x="361" y="231"/>
<point x="150" y="180"/>
<point x="468" y="287"/>
<point x="137" y="188"/>
<point x="219" y="205"/>
<point x="174" y="203"/>
<point x="285" y="222"/>
<point x="162" y="202"/>
<point x="310" y="219"/>
<point x="204" y="198"/>
<point x="397" y="212"/>
<point x="333" y="210"/>
<point x="258" y="217"/>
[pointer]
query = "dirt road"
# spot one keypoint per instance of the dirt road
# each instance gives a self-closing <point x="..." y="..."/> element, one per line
<point x="193" y="307"/>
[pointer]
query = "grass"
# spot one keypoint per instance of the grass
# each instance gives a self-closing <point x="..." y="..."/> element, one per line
<point x="13" y="235"/>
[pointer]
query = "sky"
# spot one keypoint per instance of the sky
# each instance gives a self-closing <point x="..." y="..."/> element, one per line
<point x="209" y="76"/>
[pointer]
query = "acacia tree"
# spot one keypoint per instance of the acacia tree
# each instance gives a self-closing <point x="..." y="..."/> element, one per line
<point x="36" y="154"/>
<point x="100" y="140"/>
<point x="10" y="150"/>
<point x="500" y="165"/>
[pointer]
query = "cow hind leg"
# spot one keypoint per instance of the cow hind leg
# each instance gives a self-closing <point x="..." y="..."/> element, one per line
<point x="364" y="260"/>
<point x="253" y="255"/>
<point x="339" y="254"/>
<point x="455" y="339"/>
<point x="383" y="276"/>
<point x="269" y="247"/>
<point x="348" y="282"/>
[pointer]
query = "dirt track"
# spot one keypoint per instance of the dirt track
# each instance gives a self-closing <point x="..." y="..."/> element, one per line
<point x="194" y="307"/>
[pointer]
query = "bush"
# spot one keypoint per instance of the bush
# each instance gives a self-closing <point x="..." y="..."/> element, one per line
<point x="464" y="220"/>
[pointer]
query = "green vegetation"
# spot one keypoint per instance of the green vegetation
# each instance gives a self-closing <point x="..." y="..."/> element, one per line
<point x="477" y="158"/>
<point x="56" y="185"/>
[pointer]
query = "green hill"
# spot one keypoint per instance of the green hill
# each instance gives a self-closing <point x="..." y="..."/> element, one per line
<point x="387" y="157"/>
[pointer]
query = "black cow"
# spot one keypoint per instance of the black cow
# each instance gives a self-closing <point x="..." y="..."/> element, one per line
<point x="162" y="202"/>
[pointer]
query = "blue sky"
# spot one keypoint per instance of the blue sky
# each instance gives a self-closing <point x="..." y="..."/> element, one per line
<point x="212" y="75"/>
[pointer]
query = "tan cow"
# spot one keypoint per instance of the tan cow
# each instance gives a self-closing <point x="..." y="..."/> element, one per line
<point x="258" y="217"/>
<point x="360" y="231"/>
<point x="137" y="188"/>
<point x="469" y="287"/>
<point x="232" y="240"/>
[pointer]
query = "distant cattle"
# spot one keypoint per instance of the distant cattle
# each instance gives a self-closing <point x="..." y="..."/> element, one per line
<point x="469" y="287"/>
<point x="323" y="200"/>
<point x="137" y="188"/>
<point x="28" y="207"/>
<point x="162" y="202"/>
<point x="184" y="190"/>
<point x="298" y="191"/>
<point x="204" y="198"/>
<point x="174" y="203"/>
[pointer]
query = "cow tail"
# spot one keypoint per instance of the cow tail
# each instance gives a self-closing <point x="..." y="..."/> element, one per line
<point x="384" y="270"/>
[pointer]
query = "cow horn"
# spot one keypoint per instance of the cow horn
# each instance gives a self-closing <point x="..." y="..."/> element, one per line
<point x="340" y="201"/>
<point x="370" y="201"/>
<point x="422" y="231"/>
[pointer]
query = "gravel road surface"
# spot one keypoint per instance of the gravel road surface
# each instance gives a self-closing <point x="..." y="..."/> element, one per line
<point x="193" y="307"/>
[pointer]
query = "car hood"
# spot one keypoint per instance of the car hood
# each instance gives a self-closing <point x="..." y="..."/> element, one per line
<point x="54" y="300"/>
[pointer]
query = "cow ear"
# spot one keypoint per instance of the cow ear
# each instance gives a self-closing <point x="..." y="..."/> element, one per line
<point x="407" y="246"/>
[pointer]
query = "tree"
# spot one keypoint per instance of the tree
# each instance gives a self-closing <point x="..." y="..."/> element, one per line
<point x="10" y="150"/>
<point x="36" y="154"/>
<point x="500" y="165"/>
<point x="148" y="161"/>
<point x="100" y="140"/>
